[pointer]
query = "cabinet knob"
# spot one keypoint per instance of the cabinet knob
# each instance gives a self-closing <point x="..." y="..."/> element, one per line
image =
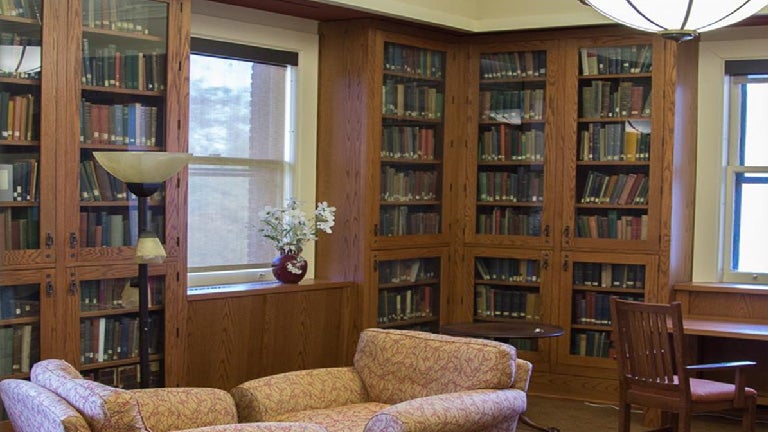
<point x="565" y="265"/>
<point x="567" y="232"/>
<point x="546" y="230"/>
<point x="49" y="289"/>
<point x="73" y="286"/>
<point x="72" y="240"/>
<point x="48" y="240"/>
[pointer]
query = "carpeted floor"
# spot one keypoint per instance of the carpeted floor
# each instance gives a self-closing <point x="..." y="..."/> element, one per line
<point x="575" y="416"/>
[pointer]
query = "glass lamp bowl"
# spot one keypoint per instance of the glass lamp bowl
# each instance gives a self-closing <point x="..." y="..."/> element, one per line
<point x="142" y="167"/>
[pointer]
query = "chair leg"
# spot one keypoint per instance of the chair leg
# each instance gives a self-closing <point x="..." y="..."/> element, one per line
<point x="624" y="413"/>
<point x="749" y="416"/>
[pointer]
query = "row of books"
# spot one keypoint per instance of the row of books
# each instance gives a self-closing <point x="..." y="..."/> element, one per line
<point x="412" y="100"/>
<point x="18" y="115"/>
<point x="616" y="189"/>
<point x="607" y="275"/>
<point x="125" y="377"/>
<point x="609" y="99"/>
<point x="401" y="220"/>
<point x="631" y="59"/>
<point x="96" y="184"/>
<point x="120" y="15"/>
<point x="594" y="308"/>
<point x="508" y="269"/>
<point x="408" y="142"/>
<point x="498" y="302"/>
<point x="116" y="338"/>
<point x="512" y="106"/>
<point x="19" y="228"/>
<point x="106" y="294"/>
<point x="505" y="143"/>
<point x="408" y="271"/>
<point x="19" y="348"/>
<point x="398" y="184"/>
<point x="522" y="185"/>
<point x="509" y="221"/>
<point x="526" y="64"/>
<point x="413" y="61"/>
<point x="406" y="304"/>
<point x="111" y="66"/>
<point x="18" y="301"/>
<point x="128" y="124"/>
<point x="20" y="55"/>
<point x="21" y="8"/>
<point x="590" y="343"/>
<point x="613" y="142"/>
<point x="115" y="227"/>
<point x="19" y="180"/>
<point x="612" y="226"/>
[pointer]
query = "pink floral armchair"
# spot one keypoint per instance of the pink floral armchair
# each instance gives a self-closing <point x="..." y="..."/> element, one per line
<point x="58" y="399"/>
<point x="400" y="381"/>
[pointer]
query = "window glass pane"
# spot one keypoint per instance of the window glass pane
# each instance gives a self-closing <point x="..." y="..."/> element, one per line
<point x="238" y="113"/>
<point x="756" y="125"/>
<point x="750" y="235"/>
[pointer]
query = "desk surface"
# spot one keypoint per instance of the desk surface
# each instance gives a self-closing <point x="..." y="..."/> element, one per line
<point x="499" y="329"/>
<point x="727" y="329"/>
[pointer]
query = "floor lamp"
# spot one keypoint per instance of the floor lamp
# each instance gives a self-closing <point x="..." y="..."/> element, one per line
<point x="144" y="173"/>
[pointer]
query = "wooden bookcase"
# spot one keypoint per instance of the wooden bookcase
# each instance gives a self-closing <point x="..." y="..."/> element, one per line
<point x="509" y="206"/>
<point x="111" y="78"/>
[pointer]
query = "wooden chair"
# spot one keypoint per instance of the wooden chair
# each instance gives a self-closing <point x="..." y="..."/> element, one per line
<point x="650" y="350"/>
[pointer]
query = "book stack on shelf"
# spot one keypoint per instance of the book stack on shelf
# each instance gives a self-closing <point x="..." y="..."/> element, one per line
<point x="19" y="328"/>
<point x="507" y="288"/>
<point x="408" y="292"/>
<point x="411" y="146"/>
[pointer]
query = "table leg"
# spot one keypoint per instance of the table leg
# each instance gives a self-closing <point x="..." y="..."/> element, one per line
<point x="528" y="422"/>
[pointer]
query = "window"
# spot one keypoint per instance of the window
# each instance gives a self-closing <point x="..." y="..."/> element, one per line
<point x="747" y="171"/>
<point x="249" y="123"/>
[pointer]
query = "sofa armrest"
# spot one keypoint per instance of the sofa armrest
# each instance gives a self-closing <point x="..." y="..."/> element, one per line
<point x="523" y="370"/>
<point x="262" y="427"/>
<point x="473" y="410"/>
<point x="263" y="399"/>
<point x="32" y="408"/>
<point x="166" y="409"/>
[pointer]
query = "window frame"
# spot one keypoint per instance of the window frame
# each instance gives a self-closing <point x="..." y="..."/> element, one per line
<point x="711" y="256"/>
<point x="219" y="22"/>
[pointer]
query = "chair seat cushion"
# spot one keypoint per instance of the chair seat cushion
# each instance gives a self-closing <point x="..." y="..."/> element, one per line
<point x="709" y="391"/>
<point x="346" y="418"/>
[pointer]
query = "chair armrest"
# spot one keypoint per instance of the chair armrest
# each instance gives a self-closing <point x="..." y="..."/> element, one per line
<point x="464" y="411"/>
<point x="523" y="370"/>
<point x="263" y="399"/>
<point x="262" y="427"/>
<point x="184" y="408"/>
<point x="720" y="366"/>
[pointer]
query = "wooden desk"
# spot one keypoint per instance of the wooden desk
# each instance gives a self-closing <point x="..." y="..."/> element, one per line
<point x="726" y="329"/>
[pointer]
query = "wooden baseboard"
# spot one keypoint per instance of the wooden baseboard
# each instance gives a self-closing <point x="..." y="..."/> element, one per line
<point x="597" y="390"/>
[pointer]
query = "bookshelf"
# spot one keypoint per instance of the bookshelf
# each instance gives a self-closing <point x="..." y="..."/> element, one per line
<point x="102" y="84"/>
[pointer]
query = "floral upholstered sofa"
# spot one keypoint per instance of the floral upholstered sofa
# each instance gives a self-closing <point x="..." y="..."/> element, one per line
<point x="58" y="399"/>
<point x="400" y="381"/>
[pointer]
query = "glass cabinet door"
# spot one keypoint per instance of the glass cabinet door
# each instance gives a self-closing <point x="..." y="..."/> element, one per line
<point x="123" y="85"/>
<point x="25" y="204"/>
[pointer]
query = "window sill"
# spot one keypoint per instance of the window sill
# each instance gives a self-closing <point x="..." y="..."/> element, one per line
<point x="261" y="288"/>
<point x="722" y="287"/>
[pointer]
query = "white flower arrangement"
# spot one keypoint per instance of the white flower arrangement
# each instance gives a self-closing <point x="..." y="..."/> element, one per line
<point x="289" y="227"/>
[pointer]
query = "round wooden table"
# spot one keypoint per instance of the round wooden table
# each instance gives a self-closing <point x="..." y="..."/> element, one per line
<point x="518" y="329"/>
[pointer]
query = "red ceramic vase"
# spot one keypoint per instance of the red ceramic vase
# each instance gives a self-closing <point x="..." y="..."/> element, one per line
<point x="289" y="268"/>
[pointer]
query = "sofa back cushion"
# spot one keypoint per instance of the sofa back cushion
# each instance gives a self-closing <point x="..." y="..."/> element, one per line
<point x="106" y="409"/>
<point x="32" y="408"/>
<point x="399" y="365"/>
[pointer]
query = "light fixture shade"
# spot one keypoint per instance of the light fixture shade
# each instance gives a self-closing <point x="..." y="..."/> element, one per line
<point x="142" y="167"/>
<point x="149" y="250"/>
<point x="677" y="19"/>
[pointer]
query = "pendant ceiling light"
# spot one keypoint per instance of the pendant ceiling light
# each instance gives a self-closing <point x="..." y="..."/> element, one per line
<point x="677" y="19"/>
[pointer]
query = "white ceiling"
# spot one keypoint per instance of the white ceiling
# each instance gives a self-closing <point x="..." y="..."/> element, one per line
<point x="485" y="15"/>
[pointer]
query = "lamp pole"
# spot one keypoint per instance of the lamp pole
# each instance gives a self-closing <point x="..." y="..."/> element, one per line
<point x="143" y="192"/>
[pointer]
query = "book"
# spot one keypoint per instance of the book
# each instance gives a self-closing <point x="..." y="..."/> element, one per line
<point x="6" y="182"/>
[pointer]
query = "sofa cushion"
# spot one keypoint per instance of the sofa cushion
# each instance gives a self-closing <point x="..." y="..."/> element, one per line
<point x="399" y="365"/>
<point x="32" y="408"/>
<point x="345" y="418"/>
<point x="105" y="408"/>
